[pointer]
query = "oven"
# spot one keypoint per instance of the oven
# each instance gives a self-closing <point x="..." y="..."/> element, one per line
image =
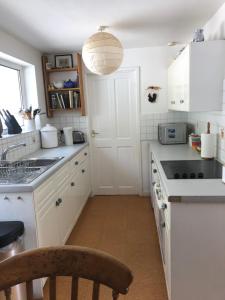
<point x="158" y="202"/>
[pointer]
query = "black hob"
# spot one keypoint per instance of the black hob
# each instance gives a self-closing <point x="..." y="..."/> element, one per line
<point x="192" y="169"/>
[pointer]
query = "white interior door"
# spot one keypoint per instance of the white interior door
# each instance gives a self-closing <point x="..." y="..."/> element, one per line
<point x="114" y="111"/>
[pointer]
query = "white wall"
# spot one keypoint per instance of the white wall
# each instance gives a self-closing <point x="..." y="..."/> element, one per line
<point x="153" y="62"/>
<point x="14" y="47"/>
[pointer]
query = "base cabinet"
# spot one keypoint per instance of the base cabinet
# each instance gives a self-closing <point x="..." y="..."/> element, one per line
<point x="192" y="243"/>
<point x="59" y="202"/>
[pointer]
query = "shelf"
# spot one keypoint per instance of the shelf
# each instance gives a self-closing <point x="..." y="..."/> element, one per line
<point x="64" y="109"/>
<point x="61" y="70"/>
<point x="49" y="92"/>
<point x="63" y="90"/>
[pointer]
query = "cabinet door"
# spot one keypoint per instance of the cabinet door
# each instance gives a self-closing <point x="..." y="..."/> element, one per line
<point x="64" y="211"/>
<point x="47" y="223"/>
<point x="85" y="172"/>
<point x="171" y="86"/>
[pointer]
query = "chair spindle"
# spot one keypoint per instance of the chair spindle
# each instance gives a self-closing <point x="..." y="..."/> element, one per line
<point x="52" y="288"/>
<point x="29" y="289"/>
<point x="74" y="288"/>
<point x="95" y="293"/>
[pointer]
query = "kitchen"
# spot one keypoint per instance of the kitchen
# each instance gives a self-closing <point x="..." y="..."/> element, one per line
<point x="95" y="192"/>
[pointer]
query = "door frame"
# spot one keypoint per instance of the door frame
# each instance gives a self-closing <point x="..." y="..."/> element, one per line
<point x="136" y="70"/>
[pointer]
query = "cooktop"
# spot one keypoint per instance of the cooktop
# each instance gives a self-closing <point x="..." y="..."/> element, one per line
<point x="192" y="169"/>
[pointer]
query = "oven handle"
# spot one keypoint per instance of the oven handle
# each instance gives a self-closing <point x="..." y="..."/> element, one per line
<point x="160" y="203"/>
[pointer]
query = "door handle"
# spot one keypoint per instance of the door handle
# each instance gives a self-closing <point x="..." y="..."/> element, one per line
<point x="93" y="133"/>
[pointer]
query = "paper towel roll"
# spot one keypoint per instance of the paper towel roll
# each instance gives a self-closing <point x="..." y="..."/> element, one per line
<point x="208" y="145"/>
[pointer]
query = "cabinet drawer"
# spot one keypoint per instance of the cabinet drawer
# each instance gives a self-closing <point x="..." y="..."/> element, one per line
<point x="79" y="158"/>
<point x="51" y="186"/>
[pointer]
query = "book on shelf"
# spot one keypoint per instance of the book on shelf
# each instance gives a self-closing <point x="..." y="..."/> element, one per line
<point x="69" y="100"/>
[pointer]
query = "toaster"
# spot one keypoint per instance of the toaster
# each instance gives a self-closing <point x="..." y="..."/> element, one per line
<point x="172" y="133"/>
<point x="78" y="137"/>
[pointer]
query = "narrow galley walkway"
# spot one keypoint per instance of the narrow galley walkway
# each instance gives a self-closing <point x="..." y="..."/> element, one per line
<point x="124" y="227"/>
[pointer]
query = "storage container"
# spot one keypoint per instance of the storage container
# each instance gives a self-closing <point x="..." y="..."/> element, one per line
<point x="49" y="137"/>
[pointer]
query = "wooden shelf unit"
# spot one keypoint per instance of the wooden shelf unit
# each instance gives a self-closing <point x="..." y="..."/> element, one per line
<point x="46" y="76"/>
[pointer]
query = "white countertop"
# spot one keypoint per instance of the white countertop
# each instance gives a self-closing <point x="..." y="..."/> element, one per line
<point x="186" y="190"/>
<point x="66" y="151"/>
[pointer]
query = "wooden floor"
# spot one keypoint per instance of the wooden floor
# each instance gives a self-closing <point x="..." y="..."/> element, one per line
<point x="124" y="227"/>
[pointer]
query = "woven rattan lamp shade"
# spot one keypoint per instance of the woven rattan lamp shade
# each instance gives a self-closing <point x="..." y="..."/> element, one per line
<point x="102" y="53"/>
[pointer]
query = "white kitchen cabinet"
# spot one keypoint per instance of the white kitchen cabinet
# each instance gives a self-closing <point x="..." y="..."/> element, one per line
<point x="60" y="200"/>
<point x="195" y="78"/>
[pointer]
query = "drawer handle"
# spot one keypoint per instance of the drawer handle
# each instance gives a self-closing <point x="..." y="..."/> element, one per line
<point x="72" y="184"/>
<point x="152" y="161"/>
<point x="85" y="154"/>
<point x="76" y="163"/>
<point x="154" y="171"/>
<point x="83" y="171"/>
<point x="163" y="225"/>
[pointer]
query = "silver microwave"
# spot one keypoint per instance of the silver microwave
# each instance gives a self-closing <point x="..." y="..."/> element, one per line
<point x="172" y="133"/>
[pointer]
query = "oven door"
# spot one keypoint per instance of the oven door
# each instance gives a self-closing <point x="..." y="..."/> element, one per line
<point x="159" y="209"/>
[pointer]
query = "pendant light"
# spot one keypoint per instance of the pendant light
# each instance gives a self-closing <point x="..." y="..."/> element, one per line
<point x="102" y="53"/>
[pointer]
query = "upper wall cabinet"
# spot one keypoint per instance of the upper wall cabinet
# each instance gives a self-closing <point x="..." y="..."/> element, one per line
<point x="195" y="78"/>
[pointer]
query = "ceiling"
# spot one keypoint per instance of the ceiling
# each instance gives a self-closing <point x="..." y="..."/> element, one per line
<point x="64" y="25"/>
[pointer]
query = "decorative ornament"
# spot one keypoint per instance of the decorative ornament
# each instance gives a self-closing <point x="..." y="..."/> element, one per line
<point x="102" y="53"/>
<point x="153" y="93"/>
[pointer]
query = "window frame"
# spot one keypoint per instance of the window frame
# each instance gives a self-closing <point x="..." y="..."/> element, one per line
<point x="20" y="69"/>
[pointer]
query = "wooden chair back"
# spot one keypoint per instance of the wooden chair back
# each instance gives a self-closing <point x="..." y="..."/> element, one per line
<point x="77" y="262"/>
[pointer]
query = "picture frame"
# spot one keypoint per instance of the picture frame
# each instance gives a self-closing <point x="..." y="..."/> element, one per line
<point x="64" y="61"/>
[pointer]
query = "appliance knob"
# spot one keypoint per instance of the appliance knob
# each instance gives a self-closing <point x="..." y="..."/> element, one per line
<point x="154" y="171"/>
<point x="200" y="175"/>
<point x="164" y="206"/>
<point x="192" y="175"/>
<point x="184" y="176"/>
<point x="176" y="176"/>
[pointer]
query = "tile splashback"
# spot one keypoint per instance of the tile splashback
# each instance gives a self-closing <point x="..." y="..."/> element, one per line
<point x="217" y="121"/>
<point x="68" y="119"/>
<point x="31" y="139"/>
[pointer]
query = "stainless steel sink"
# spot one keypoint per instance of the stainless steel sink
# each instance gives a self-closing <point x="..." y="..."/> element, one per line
<point x="24" y="171"/>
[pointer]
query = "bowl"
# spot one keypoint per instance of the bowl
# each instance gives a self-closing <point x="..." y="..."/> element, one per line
<point x="58" y="84"/>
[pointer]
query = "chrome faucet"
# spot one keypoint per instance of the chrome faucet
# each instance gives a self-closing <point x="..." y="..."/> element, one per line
<point x="10" y="148"/>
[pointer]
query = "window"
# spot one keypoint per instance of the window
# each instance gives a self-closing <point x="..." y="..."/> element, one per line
<point x="11" y="96"/>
